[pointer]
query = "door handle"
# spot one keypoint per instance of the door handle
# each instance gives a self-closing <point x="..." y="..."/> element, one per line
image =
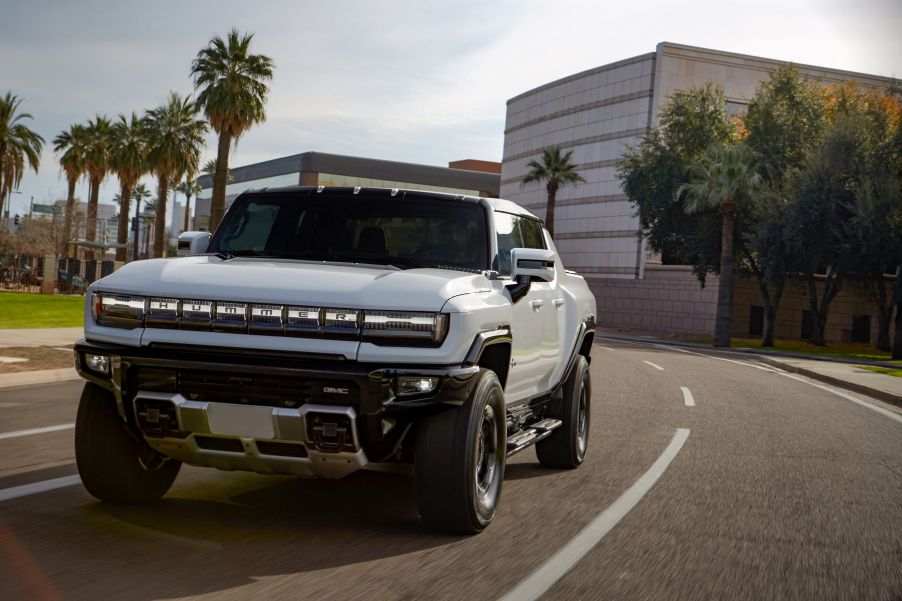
<point x="536" y="304"/>
<point x="557" y="302"/>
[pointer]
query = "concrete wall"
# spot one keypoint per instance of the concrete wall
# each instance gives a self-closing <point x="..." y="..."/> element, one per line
<point x="668" y="300"/>
<point x="847" y="304"/>
<point x="594" y="114"/>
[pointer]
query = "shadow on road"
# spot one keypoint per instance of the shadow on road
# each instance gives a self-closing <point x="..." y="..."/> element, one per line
<point x="211" y="537"/>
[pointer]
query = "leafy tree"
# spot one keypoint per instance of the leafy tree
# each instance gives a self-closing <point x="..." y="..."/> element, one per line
<point x="99" y="138"/>
<point x="19" y="145"/>
<point x="555" y="169"/>
<point x="819" y="230"/>
<point x="71" y="145"/>
<point x="233" y="91"/>
<point x="175" y="134"/>
<point x="721" y="180"/>
<point x="128" y="159"/>
<point x="786" y="118"/>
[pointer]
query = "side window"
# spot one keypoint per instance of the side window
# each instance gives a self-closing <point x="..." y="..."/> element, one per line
<point x="532" y="233"/>
<point x="507" y="230"/>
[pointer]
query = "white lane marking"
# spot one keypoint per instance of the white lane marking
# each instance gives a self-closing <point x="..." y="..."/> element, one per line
<point x="538" y="583"/>
<point x="865" y="404"/>
<point x="673" y="348"/>
<point x="687" y="397"/>
<point x="67" y="349"/>
<point x="5" y="359"/>
<point x="607" y="348"/>
<point x="44" y="430"/>
<point x="34" y="488"/>
<point x="655" y="365"/>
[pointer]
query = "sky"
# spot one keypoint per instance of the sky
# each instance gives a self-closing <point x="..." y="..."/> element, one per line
<point x="409" y="80"/>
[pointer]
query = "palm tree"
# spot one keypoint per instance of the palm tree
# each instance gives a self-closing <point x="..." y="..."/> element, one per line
<point x="724" y="176"/>
<point x="139" y="194"/>
<point x="18" y="145"/>
<point x="556" y="170"/>
<point x="233" y="93"/>
<point x="189" y="188"/>
<point x="175" y="135"/>
<point x="71" y="145"/>
<point x="98" y="134"/>
<point x="128" y="160"/>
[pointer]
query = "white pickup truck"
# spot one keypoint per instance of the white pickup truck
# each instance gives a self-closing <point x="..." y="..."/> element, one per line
<point x="321" y="331"/>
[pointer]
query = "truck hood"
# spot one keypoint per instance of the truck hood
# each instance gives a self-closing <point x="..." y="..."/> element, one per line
<point x="280" y="281"/>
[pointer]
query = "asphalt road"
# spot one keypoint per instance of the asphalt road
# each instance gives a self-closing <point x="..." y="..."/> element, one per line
<point x="782" y="490"/>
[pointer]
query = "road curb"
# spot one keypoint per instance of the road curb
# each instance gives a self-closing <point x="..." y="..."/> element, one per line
<point x="40" y="376"/>
<point x="882" y="395"/>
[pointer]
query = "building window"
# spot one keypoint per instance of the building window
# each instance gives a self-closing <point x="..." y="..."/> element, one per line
<point x="756" y="320"/>
<point x="861" y="329"/>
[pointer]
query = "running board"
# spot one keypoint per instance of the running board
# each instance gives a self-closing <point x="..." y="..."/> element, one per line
<point x="531" y="435"/>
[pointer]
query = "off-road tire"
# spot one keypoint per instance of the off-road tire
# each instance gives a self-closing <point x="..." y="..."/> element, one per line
<point x="453" y="492"/>
<point x="567" y="445"/>
<point x="109" y="459"/>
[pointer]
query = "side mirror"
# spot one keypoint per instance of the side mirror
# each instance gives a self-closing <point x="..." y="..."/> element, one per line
<point x="193" y="243"/>
<point x="532" y="263"/>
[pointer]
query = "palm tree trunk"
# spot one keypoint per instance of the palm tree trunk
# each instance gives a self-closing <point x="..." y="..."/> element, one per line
<point x="91" y="223"/>
<point x="187" y="211"/>
<point x="137" y="227"/>
<point x="897" y="336"/>
<point x="549" y="211"/>
<point x="723" y="325"/>
<point x="68" y="217"/>
<point x="217" y="204"/>
<point x="159" y="230"/>
<point x="125" y="201"/>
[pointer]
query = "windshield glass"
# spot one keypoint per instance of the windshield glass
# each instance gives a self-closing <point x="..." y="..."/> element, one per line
<point x="405" y="233"/>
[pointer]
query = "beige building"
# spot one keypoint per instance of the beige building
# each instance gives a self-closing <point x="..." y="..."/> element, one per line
<point x="596" y="114"/>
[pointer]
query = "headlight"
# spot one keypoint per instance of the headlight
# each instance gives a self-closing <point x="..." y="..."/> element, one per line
<point x="119" y="310"/>
<point x="404" y="327"/>
<point x="408" y="385"/>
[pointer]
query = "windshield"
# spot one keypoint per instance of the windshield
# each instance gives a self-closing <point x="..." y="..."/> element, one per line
<point x="401" y="232"/>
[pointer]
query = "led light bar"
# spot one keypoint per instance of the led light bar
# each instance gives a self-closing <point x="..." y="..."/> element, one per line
<point x="379" y="327"/>
<point x="119" y="310"/>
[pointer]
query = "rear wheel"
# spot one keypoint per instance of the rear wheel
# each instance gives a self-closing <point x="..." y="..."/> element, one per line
<point x="113" y="466"/>
<point x="567" y="445"/>
<point x="459" y="462"/>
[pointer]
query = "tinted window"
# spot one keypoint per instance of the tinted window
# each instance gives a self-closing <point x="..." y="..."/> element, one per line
<point x="512" y="232"/>
<point x="413" y="232"/>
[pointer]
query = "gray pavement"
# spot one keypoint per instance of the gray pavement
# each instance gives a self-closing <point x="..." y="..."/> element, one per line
<point x="783" y="490"/>
<point x="40" y="336"/>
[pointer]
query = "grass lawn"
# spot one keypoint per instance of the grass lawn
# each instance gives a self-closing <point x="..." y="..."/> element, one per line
<point x="841" y="351"/>
<point x="21" y="310"/>
<point x="883" y="370"/>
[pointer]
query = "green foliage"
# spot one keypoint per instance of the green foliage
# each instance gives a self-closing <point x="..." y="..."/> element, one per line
<point x="652" y="172"/>
<point x="175" y="136"/>
<point x="19" y="145"/>
<point x="785" y="119"/>
<point x="128" y="150"/>
<point x="555" y="169"/>
<point x="71" y="145"/>
<point x="723" y="178"/>
<point x="232" y="83"/>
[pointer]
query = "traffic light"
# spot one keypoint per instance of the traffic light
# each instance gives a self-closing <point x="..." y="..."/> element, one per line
<point x="16" y="219"/>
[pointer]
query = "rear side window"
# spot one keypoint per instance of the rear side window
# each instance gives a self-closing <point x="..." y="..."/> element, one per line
<point x="513" y="231"/>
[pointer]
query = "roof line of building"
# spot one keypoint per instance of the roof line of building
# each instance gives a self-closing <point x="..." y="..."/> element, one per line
<point x="851" y="75"/>
<point x="586" y="73"/>
<point x="378" y="169"/>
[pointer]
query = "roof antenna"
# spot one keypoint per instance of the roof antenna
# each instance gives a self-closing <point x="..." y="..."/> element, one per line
<point x="356" y="189"/>
<point x="319" y="189"/>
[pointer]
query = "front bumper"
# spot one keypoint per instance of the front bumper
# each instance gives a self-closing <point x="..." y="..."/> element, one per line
<point x="232" y="409"/>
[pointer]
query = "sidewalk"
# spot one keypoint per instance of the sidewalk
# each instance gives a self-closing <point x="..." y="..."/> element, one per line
<point x="830" y="370"/>
<point x="40" y="337"/>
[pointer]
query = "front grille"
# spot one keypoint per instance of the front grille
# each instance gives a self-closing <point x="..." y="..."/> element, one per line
<point x="246" y="388"/>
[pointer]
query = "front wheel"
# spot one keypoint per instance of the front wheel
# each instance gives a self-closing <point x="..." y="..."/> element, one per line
<point x="110" y="462"/>
<point x="459" y="461"/>
<point x="567" y="445"/>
